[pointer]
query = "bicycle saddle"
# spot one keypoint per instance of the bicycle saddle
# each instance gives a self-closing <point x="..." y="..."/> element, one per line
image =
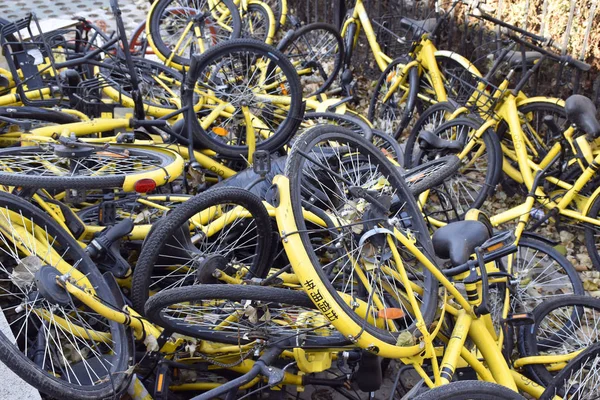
<point x="515" y="58"/>
<point x="458" y="240"/>
<point x="429" y="141"/>
<point x="426" y="25"/>
<point x="582" y="112"/>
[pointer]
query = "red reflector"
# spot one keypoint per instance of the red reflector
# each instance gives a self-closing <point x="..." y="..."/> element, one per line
<point x="144" y="185"/>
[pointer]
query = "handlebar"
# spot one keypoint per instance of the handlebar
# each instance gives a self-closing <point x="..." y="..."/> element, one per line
<point x="566" y="59"/>
<point x="544" y="42"/>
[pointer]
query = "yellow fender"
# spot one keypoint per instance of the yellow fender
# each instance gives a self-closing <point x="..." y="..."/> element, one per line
<point x="540" y="99"/>
<point x="590" y="201"/>
<point x="459" y="59"/>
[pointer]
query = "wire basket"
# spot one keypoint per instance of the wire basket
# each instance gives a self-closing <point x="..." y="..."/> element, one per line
<point x="32" y="61"/>
<point x="474" y="92"/>
<point x="395" y="37"/>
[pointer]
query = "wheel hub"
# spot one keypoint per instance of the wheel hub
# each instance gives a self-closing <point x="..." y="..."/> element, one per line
<point x="46" y="282"/>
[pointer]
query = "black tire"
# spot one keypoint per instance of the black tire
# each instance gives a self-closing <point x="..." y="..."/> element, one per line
<point x="310" y="191"/>
<point x="477" y="177"/>
<point x="258" y="13"/>
<point x="116" y="74"/>
<point x="429" y="120"/>
<point x="554" y="321"/>
<point x="246" y="53"/>
<point x="470" y="390"/>
<point x="33" y="174"/>
<point x="159" y="13"/>
<point x="156" y="305"/>
<point x="301" y="48"/>
<point x="48" y="379"/>
<point x="393" y="115"/>
<point x="431" y="174"/>
<point x="592" y="234"/>
<point x="578" y="380"/>
<point x="348" y="121"/>
<point x="388" y="145"/>
<point x="171" y="229"/>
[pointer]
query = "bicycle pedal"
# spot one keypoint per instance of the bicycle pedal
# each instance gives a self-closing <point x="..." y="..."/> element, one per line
<point x="521" y="319"/>
<point x="107" y="213"/>
<point x="163" y="380"/>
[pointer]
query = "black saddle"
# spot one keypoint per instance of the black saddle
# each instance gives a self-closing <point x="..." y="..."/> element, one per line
<point x="582" y="112"/>
<point x="429" y="141"/>
<point x="419" y="26"/>
<point x="515" y="58"/>
<point x="458" y="240"/>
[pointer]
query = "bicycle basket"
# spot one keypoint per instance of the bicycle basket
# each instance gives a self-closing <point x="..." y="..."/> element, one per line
<point x="472" y="91"/>
<point x="32" y="56"/>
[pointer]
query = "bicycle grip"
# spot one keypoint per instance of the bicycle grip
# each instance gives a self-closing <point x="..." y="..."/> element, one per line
<point x="580" y="65"/>
<point x="119" y="230"/>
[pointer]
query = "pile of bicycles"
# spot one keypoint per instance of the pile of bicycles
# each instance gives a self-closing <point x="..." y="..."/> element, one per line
<point x="200" y="210"/>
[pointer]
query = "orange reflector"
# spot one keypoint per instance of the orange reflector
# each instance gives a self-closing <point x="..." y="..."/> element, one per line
<point x="144" y="185"/>
<point x="495" y="247"/>
<point x="390" y="313"/>
<point x="217" y="130"/>
<point x="284" y="91"/>
<point x="159" y="385"/>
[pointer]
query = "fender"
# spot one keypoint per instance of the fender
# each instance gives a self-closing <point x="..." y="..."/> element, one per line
<point x="540" y="99"/>
<point x="540" y="238"/>
<point x="459" y="59"/>
<point x="591" y="200"/>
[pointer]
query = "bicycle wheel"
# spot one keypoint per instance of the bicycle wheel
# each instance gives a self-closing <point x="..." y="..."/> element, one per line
<point x="562" y="325"/>
<point x="177" y="29"/>
<point x="475" y="180"/>
<point x="394" y="98"/>
<point x="227" y="229"/>
<point x="429" y="120"/>
<point x="56" y="166"/>
<point x="540" y="273"/>
<point x="317" y="51"/>
<point x="52" y="341"/>
<point x="258" y="22"/>
<point x="470" y="390"/>
<point x="579" y="380"/>
<point x="258" y="90"/>
<point x="240" y="314"/>
<point x="592" y="234"/>
<point x="160" y="86"/>
<point x="327" y="167"/>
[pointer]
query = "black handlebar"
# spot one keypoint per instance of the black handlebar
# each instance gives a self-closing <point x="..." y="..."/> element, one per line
<point x="566" y="59"/>
<point x="544" y="42"/>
